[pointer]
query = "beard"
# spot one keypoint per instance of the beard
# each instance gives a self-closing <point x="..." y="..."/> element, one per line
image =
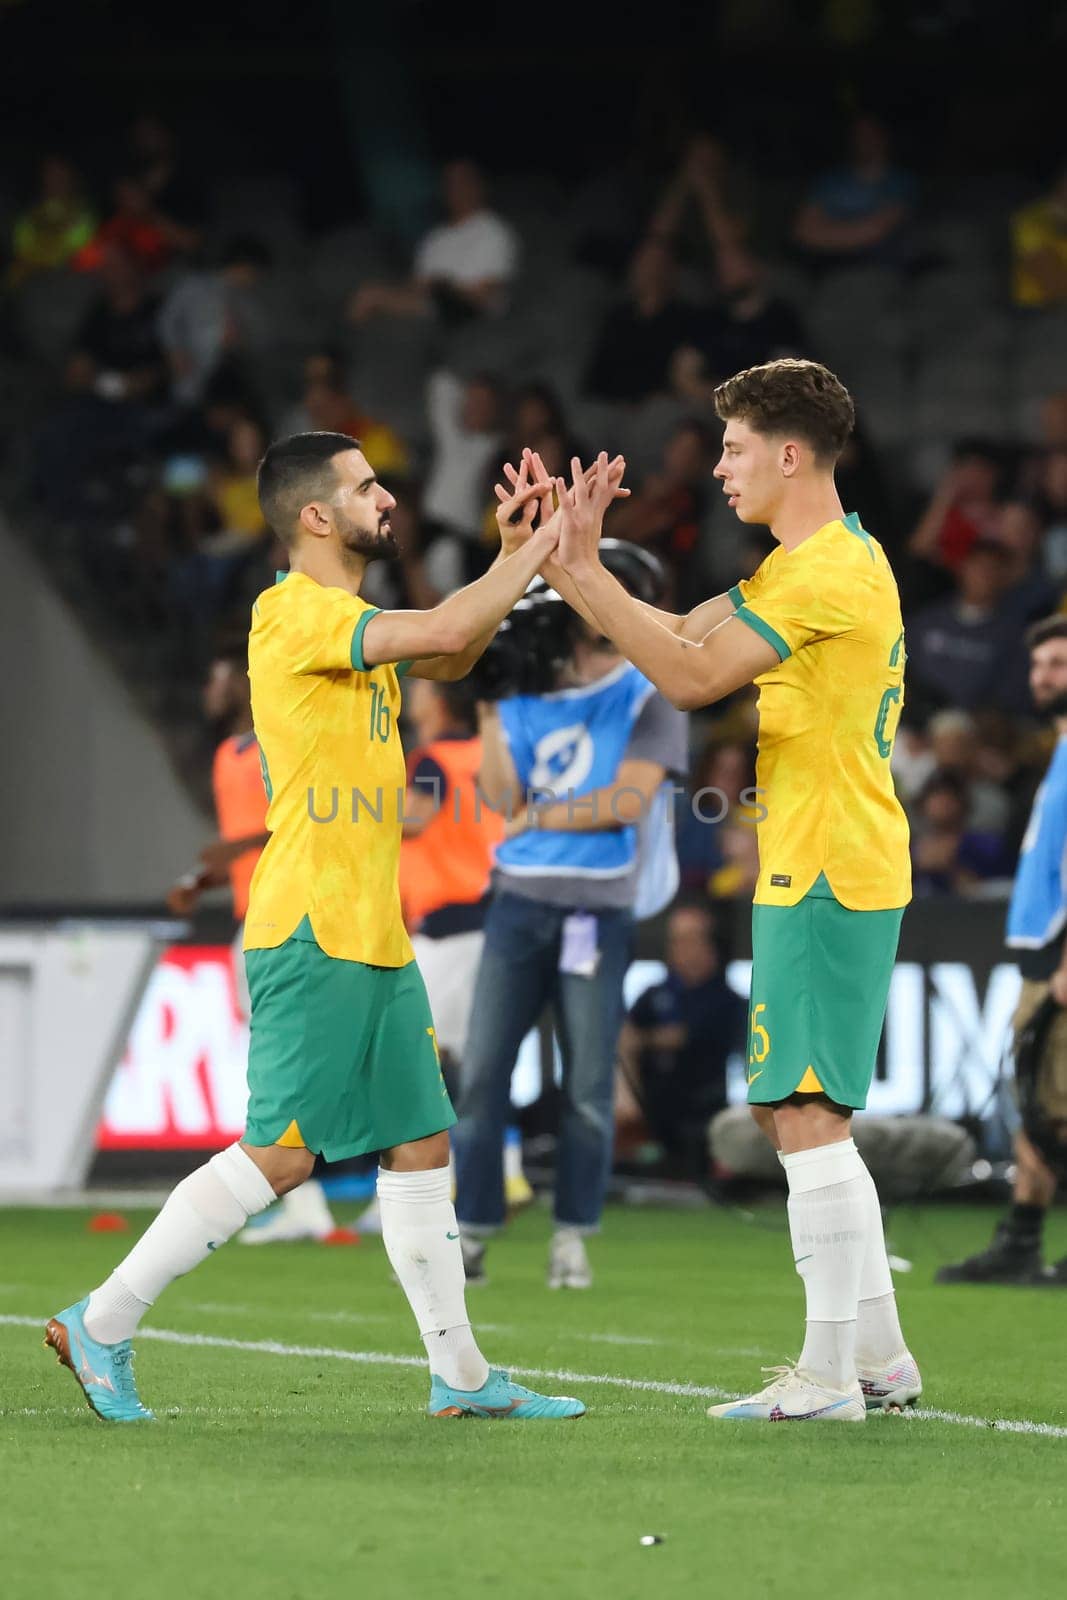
<point x="1053" y="705"/>
<point x="367" y="544"/>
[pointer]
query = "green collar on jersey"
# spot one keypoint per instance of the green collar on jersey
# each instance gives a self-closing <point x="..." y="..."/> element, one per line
<point x="854" y="525"/>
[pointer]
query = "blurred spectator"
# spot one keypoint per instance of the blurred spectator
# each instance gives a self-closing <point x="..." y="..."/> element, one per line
<point x="206" y="317"/>
<point x="114" y="378"/>
<point x="667" y="510"/>
<point x="947" y="857"/>
<point x="232" y="488"/>
<point x="136" y="228"/>
<point x="748" y="324"/>
<point x="327" y="407"/>
<point x="155" y="159"/>
<point x="631" y="358"/>
<point x="1039" y="249"/>
<point x="963" y="507"/>
<point x="57" y="224"/>
<point x="912" y="760"/>
<point x="117" y="354"/>
<point x="711" y="819"/>
<point x="537" y="419"/>
<point x="226" y="534"/>
<point x="967" y="650"/>
<point x="678" y="1037"/>
<point x="1054" y="421"/>
<point x="465" y="423"/>
<point x="1052" y="503"/>
<point x="701" y="208"/>
<point x="955" y="749"/>
<point x="858" y="213"/>
<point x="1019" y="531"/>
<point x="463" y="268"/>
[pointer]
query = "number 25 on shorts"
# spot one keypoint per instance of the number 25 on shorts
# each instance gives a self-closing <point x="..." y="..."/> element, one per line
<point x="760" y="1043"/>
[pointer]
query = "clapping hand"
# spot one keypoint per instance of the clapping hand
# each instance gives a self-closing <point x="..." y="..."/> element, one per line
<point x="519" y="502"/>
<point x="582" y="508"/>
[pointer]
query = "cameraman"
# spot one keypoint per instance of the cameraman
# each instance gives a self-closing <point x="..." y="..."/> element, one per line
<point x="577" y="761"/>
<point x="1037" y="936"/>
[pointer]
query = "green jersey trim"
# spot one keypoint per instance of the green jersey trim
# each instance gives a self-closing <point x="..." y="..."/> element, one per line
<point x="356" y="651"/>
<point x="765" y="631"/>
<point x="854" y="525"/>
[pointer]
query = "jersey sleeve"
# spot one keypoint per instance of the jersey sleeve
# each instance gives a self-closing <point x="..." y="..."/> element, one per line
<point x="790" y="610"/>
<point x="327" y="633"/>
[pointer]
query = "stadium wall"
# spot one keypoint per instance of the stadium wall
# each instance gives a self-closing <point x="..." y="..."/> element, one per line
<point x="90" y="809"/>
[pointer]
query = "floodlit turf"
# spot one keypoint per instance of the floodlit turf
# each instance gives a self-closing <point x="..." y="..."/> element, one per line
<point x="303" y="1476"/>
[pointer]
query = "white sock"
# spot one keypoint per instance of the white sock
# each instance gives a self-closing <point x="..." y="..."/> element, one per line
<point x="827" y="1225"/>
<point x="421" y="1239"/>
<point x="879" y="1336"/>
<point x="207" y="1208"/>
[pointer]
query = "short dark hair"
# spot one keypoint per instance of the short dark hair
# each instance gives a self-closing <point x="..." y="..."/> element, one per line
<point x="294" y="471"/>
<point x="791" y="396"/>
<point x="1048" y="628"/>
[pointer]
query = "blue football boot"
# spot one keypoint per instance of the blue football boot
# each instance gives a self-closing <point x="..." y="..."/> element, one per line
<point x="105" y="1371"/>
<point x="499" y="1400"/>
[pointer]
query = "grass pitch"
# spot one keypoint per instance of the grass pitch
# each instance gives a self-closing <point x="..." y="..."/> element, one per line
<point x="295" y="1472"/>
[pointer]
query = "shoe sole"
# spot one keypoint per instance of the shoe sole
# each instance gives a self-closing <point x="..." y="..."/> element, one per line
<point x="896" y="1403"/>
<point x="57" y="1338"/>
<point x="715" y="1417"/>
<point x="457" y="1413"/>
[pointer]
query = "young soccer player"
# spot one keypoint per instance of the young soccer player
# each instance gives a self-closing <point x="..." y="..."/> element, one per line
<point x="818" y="628"/>
<point x="342" y="1057"/>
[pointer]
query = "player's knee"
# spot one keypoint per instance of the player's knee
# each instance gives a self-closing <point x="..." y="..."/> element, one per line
<point x="763" y="1117"/>
<point x="421" y="1155"/>
<point x="283" y="1169"/>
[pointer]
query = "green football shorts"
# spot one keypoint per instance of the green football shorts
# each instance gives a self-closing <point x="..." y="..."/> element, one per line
<point x="342" y="1057"/>
<point x="820" y="985"/>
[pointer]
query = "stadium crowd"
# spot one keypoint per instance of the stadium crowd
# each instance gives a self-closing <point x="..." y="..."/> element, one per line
<point x="173" y="326"/>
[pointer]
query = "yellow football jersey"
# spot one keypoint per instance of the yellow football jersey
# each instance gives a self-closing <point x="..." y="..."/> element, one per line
<point x="333" y="767"/>
<point x="828" y="715"/>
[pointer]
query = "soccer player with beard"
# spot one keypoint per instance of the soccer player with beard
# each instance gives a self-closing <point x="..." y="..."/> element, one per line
<point x="818" y="629"/>
<point x="342" y="1054"/>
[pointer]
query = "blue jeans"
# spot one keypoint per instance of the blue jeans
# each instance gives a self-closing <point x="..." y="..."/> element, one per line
<point x="519" y="973"/>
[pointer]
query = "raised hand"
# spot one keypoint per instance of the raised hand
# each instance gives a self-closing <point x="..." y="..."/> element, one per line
<point x="519" y="501"/>
<point x="582" y="508"/>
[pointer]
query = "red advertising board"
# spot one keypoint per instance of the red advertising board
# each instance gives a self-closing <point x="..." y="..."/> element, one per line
<point x="181" y="1083"/>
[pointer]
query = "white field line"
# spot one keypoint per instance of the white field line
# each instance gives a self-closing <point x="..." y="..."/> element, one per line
<point x="375" y="1358"/>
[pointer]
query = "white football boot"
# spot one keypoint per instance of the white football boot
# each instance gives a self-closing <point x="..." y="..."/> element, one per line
<point x="794" y="1396"/>
<point x="891" y="1385"/>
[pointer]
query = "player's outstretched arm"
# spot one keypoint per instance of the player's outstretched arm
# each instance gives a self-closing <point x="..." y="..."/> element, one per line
<point x="691" y="625"/>
<point x="689" y="672"/>
<point x="467" y="618"/>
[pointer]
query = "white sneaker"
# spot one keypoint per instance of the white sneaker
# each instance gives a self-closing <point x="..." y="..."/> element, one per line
<point x="891" y="1385"/>
<point x="303" y="1213"/>
<point x="370" y="1220"/>
<point x="794" y="1396"/>
<point x="568" y="1264"/>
